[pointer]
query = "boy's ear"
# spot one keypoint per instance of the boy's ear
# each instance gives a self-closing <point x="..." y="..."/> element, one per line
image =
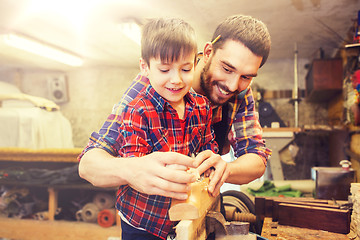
<point x="208" y="50"/>
<point x="144" y="68"/>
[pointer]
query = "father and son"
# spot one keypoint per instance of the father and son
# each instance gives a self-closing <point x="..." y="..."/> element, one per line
<point x="184" y="110"/>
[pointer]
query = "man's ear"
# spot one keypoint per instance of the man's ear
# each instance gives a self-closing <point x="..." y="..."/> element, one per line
<point x="144" y="68"/>
<point x="208" y="51"/>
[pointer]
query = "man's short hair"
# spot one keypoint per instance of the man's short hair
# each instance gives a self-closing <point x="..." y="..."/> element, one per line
<point x="247" y="30"/>
<point x="168" y="39"/>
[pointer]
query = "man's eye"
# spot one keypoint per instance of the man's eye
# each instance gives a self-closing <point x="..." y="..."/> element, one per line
<point x="227" y="70"/>
<point x="246" y="78"/>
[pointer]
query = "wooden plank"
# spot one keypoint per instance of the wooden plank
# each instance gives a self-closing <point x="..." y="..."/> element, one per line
<point x="327" y="219"/>
<point x="260" y="207"/>
<point x="273" y="231"/>
<point x="276" y="203"/>
<point x="195" y="229"/>
<point x="53" y="203"/>
<point x="276" y="94"/>
<point x="40" y="155"/>
<point x="195" y="205"/>
<point x="264" y="206"/>
<point x="27" y="229"/>
<point x="282" y="129"/>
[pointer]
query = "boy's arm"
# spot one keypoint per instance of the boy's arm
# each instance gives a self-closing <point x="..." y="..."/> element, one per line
<point x="142" y="170"/>
<point x="147" y="174"/>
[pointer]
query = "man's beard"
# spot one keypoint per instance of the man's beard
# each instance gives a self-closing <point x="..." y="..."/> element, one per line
<point x="207" y="86"/>
<point x="205" y="83"/>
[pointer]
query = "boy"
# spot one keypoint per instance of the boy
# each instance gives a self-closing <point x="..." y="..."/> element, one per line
<point x="165" y="117"/>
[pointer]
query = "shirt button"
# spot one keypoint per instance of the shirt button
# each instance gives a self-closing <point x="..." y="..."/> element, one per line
<point x="179" y="142"/>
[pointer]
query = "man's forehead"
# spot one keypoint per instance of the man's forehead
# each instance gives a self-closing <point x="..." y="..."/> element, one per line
<point x="237" y="56"/>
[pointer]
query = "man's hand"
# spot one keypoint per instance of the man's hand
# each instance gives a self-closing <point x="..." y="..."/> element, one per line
<point x="161" y="173"/>
<point x="208" y="160"/>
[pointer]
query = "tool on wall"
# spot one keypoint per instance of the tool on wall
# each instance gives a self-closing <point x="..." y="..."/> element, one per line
<point x="295" y="98"/>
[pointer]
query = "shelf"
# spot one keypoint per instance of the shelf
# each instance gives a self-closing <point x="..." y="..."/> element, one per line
<point x="28" y="229"/>
<point x="86" y="186"/>
<point x="40" y="155"/>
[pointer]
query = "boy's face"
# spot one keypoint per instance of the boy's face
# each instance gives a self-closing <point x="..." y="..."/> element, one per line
<point x="171" y="80"/>
<point x="228" y="72"/>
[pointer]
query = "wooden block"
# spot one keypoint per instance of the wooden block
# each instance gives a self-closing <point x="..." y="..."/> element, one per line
<point x="195" y="206"/>
<point x="264" y="205"/>
<point x="327" y="219"/>
<point x="260" y="207"/>
<point x="195" y="229"/>
<point x="276" y="203"/>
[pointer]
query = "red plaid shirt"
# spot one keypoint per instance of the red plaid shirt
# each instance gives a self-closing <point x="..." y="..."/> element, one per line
<point x="146" y="124"/>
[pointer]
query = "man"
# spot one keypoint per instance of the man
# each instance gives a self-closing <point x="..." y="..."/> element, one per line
<point x="241" y="45"/>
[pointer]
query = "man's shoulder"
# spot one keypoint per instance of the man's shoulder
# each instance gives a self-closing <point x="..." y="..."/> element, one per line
<point x="138" y="86"/>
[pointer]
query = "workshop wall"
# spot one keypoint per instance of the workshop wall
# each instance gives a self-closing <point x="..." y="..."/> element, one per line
<point x="93" y="91"/>
<point x="91" y="94"/>
<point x="279" y="75"/>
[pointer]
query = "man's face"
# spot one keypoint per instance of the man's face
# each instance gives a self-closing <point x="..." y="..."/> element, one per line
<point x="228" y="72"/>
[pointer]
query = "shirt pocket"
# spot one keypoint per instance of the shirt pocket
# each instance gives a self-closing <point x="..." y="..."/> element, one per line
<point x="195" y="138"/>
<point x="159" y="141"/>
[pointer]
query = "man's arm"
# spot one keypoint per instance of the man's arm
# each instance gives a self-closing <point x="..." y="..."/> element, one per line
<point x="247" y="142"/>
<point x="147" y="174"/>
<point x="245" y="169"/>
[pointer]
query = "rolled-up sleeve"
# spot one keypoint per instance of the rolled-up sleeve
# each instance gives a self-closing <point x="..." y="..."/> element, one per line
<point x="247" y="131"/>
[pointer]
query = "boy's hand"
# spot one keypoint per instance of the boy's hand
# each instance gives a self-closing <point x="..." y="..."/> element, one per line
<point x="207" y="160"/>
<point x="152" y="175"/>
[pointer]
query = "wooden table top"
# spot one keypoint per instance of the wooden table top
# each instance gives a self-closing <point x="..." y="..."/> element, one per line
<point x="273" y="231"/>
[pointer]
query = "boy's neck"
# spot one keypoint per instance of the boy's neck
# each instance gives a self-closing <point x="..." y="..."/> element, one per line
<point x="180" y="109"/>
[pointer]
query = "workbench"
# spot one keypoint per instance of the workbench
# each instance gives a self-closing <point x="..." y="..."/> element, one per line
<point x="273" y="231"/>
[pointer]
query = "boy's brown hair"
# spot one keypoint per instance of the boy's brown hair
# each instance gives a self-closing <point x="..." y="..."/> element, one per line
<point x="247" y="30"/>
<point x="168" y="39"/>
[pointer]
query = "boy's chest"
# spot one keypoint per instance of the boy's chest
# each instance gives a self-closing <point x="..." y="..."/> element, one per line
<point x="169" y="133"/>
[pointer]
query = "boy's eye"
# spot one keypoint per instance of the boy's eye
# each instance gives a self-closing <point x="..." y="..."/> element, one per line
<point x="164" y="70"/>
<point x="186" y="69"/>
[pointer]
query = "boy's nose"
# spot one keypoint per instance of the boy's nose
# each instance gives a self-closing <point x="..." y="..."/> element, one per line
<point x="176" y="78"/>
